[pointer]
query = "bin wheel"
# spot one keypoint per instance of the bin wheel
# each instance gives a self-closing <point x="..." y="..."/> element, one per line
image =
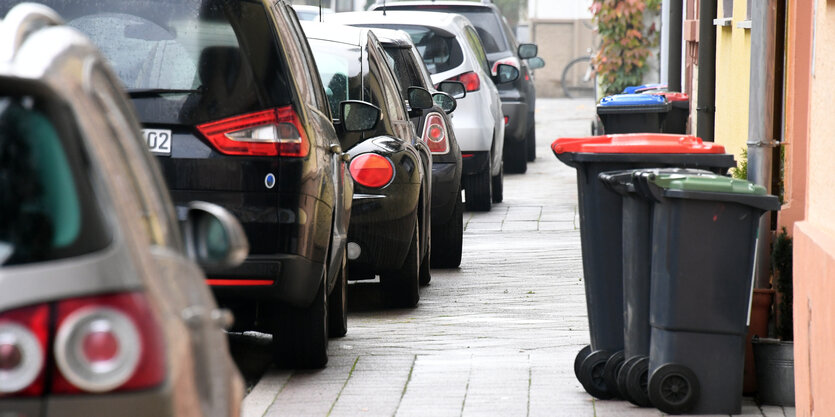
<point x="578" y="360"/>
<point x="635" y="381"/>
<point x="591" y="375"/>
<point x="610" y="371"/>
<point x="673" y="388"/>
<point x="621" y="378"/>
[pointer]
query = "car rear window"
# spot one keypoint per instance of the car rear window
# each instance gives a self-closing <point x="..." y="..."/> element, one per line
<point x="440" y="53"/>
<point x="187" y="61"/>
<point x="398" y="60"/>
<point x="47" y="207"/>
<point x="484" y="19"/>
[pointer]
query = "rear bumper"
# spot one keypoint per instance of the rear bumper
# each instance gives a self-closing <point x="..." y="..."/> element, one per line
<point x="516" y="128"/>
<point x="382" y="226"/>
<point x="290" y="279"/>
<point x="477" y="162"/>
<point x="446" y="184"/>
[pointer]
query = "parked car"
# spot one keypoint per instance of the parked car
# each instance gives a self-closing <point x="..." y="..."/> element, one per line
<point x="519" y="97"/>
<point x="436" y="130"/>
<point x="391" y="165"/>
<point x="311" y="13"/>
<point x="103" y="310"/>
<point x="230" y="104"/>
<point x="452" y="51"/>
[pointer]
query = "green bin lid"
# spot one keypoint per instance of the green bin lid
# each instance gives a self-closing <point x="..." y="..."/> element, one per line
<point x="707" y="183"/>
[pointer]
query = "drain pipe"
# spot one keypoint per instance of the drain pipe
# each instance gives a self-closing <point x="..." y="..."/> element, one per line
<point x="671" y="44"/>
<point x="706" y="106"/>
<point x="761" y="135"/>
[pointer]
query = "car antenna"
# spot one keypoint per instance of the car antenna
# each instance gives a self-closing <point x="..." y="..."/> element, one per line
<point x="320" y="11"/>
<point x="384" y="7"/>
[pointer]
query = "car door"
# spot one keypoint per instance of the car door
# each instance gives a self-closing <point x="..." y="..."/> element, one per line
<point x="180" y="284"/>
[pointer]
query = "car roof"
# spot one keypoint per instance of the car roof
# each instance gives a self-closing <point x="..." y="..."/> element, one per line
<point x="394" y="37"/>
<point x="446" y="22"/>
<point x="473" y="4"/>
<point x="333" y="32"/>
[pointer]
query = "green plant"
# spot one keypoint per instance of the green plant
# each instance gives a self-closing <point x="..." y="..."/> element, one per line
<point x="626" y="43"/>
<point x="781" y="264"/>
<point x="741" y="170"/>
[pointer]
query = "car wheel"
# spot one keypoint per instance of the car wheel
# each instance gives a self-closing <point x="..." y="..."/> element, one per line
<point x="516" y="156"/>
<point x="402" y="288"/>
<point x="531" y="148"/>
<point x="425" y="273"/>
<point x="338" y="303"/>
<point x="477" y="191"/>
<point x="448" y="239"/>
<point x="498" y="186"/>
<point x="300" y="339"/>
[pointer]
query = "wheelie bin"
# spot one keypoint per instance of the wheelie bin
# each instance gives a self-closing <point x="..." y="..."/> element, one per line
<point x="676" y="120"/>
<point x="633" y="113"/>
<point x="600" y="229"/>
<point x="628" y="371"/>
<point x="704" y="234"/>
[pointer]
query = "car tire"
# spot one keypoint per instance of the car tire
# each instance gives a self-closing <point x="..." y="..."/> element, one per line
<point x="477" y="190"/>
<point x="402" y="288"/>
<point x="498" y="186"/>
<point x="516" y="156"/>
<point x="425" y="273"/>
<point x="300" y="339"/>
<point x="338" y="303"/>
<point x="531" y="148"/>
<point x="449" y="239"/>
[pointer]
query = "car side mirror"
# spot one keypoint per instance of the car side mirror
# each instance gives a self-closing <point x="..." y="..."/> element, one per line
<point x="536" y="63"/>
<point x="506" y="73"/>
<point x="213" y="237"/>
<point x="455" y="89"/>
<point x="445" y="101"/>
<point x="358" y="116"/>
<point x="420" y="98"/>
<point x="527" y="50"/>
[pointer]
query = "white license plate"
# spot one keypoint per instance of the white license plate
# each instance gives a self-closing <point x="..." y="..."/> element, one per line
<point x="158" y="140"/>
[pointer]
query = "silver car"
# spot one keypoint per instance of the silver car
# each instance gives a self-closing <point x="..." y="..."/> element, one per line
<point x="103" y="310"/>
<point x="452" y="51"/>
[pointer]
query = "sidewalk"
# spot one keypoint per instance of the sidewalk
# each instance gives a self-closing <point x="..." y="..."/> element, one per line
<point x="496" y="337"/>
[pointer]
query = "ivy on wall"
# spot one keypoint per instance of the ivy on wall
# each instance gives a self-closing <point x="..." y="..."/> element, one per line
<point x="626" y="42"/>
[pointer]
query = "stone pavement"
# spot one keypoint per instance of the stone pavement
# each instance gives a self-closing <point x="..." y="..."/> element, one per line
<point x="496" y="337"/>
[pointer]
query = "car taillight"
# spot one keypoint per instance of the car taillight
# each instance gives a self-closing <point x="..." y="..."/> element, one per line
<point x="275" y="132"/>
<point x="372" y="170"/>
<point x="512" y="61"/>
<point x="107" y="343"/>
<point x="23" y="341"/>
<point x="435" y="134"/>
<point x="469" y="79"/>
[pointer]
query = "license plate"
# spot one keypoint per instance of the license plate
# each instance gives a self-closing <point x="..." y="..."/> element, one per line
<point x="158" y="140"/>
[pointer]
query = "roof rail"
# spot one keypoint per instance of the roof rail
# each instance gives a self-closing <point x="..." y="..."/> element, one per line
<point x="21" y="21"/>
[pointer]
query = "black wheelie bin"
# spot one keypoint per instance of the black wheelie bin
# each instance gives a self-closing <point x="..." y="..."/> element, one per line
<point x="633" y="113"/>
<point x="600" y="231"/>
<point x="704" y="236"/>
<point x="630" y="375"/>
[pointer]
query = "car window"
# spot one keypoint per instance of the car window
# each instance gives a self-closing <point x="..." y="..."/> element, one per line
<point x="216" y="58"/>
<point x="390" y="87"/>
<point x="339" y="68"/>
<point x="475" y="45"/>
<point x="399" y="63"/>
<point x="49" y="210"/>
<point x="303" y="61"/>
<point x="489" y="29"/>
<point x="439" y="53"/>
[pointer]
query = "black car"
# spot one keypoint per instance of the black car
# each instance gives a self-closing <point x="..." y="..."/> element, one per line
<point x="391" y="167"/>
<point x="230" y="104"/>
<point x="435" y="128"/>
<point x="519" y="97"/>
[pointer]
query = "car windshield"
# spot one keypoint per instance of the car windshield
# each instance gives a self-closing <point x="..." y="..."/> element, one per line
<point x="186" y="61"/>
<point x="440" y="53"/>
<point x="47" y="207"/>
<point x="489" y="29"/>
<point x="340" y="69"/>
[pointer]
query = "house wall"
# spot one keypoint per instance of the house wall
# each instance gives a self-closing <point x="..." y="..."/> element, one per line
<point x="733" y="72"/>
<point x="814" y="237"/>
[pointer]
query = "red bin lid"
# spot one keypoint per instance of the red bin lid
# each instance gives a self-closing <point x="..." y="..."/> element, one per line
<point x="672" y="96"/>
<point x="636" y="143"/>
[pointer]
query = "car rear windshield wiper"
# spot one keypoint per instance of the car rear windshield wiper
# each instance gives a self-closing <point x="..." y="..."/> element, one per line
<point x="156" y="92"/>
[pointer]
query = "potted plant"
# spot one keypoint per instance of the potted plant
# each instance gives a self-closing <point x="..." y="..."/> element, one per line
<point x="774" y="358"/>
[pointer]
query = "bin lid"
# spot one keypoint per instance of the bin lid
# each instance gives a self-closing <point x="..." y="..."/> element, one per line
<point x="671" y="96"/>
<point x="638" y="88"/>
<point x="632" y="100"/>
<point x="662" y="143"/>
<point x="707" y="183"/>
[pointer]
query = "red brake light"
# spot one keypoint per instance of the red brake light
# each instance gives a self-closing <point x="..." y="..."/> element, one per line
<point x="107" y="343"/>
<point x="372" y="170"/>
<point x="434" y="134"/>
<point x="23" y="340"/>
<point x="470" y="80"/>
<point x="275" y="132"/>
<point x="512" y="61"/>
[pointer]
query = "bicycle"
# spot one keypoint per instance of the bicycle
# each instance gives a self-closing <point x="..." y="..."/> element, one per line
<point x="579" y="78"/>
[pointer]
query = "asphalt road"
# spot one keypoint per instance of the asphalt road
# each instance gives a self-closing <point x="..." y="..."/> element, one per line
<point x="496" y="337"/>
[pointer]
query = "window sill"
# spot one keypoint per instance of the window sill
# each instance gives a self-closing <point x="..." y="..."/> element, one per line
<point x="745" y="24"/>
<point x="723" y="22"/>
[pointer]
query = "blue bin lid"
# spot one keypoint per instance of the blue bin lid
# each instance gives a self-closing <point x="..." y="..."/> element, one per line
<point x="632" y="89"/>
<point x="633" y="100"/>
